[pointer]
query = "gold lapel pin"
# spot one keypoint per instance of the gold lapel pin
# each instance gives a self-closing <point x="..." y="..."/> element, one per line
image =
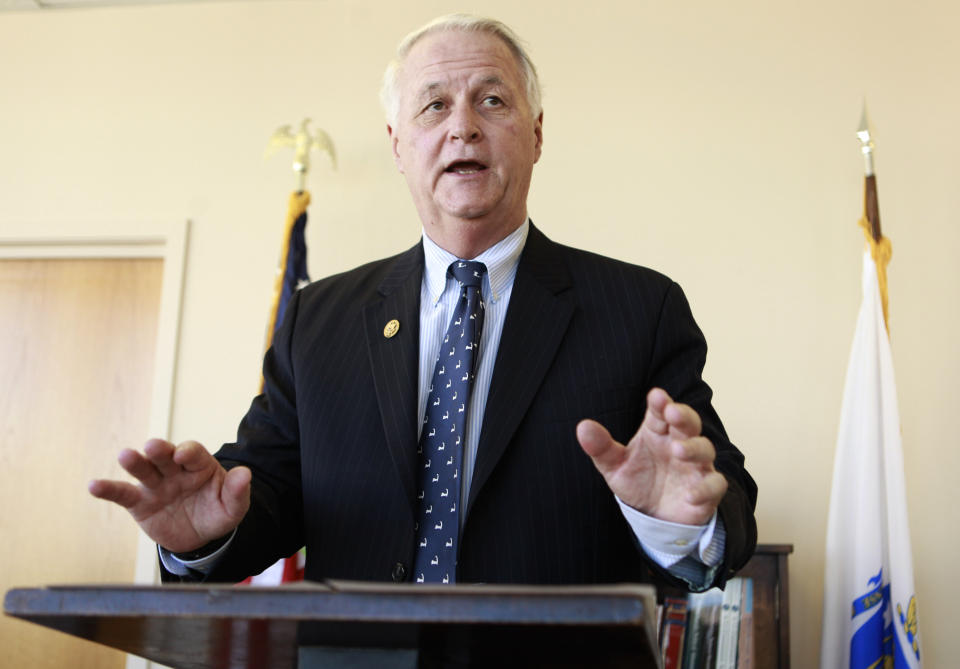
<point x="391" y="328"/>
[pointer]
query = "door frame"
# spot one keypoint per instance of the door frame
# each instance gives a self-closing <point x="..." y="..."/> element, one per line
<point x="165" y="241"/>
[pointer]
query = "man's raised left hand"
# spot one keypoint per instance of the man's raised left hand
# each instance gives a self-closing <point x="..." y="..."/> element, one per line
<point x="666" y="471"/>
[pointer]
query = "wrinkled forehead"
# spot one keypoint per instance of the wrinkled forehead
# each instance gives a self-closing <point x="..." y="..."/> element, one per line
<point x="454" y="57"/>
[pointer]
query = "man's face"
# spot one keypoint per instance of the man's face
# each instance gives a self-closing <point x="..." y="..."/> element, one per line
<point x="465" y="137"/>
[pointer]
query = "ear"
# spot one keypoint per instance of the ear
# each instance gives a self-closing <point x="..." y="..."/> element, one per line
<point x="538" y="133"/>
<point x="394" y="147"/>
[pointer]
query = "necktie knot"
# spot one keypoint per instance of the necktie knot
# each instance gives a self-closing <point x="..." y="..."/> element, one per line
<point x="468" y="272"/>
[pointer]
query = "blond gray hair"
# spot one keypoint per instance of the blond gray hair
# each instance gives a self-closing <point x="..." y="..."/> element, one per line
<point x="389" y="93"/>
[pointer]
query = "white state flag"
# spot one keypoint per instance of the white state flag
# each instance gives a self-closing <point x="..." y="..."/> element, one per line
<point x="869" y="604"/>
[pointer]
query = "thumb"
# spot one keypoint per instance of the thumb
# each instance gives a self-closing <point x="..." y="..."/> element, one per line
<point x="235" y="493"/>
<point x="596" y="442"/>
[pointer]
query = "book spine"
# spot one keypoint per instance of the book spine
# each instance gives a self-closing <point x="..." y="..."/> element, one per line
<point x="711" y="625"/>
<point x="728" y="634"/>
<point x="691" y="645"/>
<point x="745" y="646"/>
<point x="674" y="631"/>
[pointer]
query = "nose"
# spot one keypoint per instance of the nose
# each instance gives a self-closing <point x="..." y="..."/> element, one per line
<point x="464" y="125"/>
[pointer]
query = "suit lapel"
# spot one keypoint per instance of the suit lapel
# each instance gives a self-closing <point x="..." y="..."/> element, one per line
<point x="537" y="319"/>
<point x="394" y="360"/>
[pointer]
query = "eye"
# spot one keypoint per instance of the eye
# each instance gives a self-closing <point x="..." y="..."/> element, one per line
<point x="492" y="101"/>
<point x="436" y="105"/>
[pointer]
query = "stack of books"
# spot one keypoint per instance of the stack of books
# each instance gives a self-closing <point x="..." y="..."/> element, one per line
<point x="709" y="630"/>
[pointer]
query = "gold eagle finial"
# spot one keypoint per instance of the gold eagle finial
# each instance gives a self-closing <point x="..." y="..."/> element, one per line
<point x="303" y="142"/>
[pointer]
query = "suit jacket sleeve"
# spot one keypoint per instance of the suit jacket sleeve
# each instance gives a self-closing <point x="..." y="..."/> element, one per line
<point x="679" y="356"/>
<point x="267" y="442"/>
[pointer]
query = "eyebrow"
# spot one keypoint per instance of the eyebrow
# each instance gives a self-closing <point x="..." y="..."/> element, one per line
<point x="433" y="87"/>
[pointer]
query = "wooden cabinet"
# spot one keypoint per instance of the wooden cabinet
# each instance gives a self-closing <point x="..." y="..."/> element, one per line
<point x="771" y="605"/>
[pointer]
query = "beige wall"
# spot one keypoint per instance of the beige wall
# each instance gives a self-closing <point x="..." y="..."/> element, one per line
<point x="713" y="141"/>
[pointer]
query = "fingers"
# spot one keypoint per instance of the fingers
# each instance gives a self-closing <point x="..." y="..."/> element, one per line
<point x="235" y="493"/>
<point x="664" y="416"/>
<point x="160" y="454"/>
<point x="696" y="485"/>
<point x="160" y="460"/>
<point x="708" y="492"/>
<point x="153" y="465"/>
<point x="654" y="419"/>
<point x="696" y="451"/>
<point x="139" y="467"/>
<point x="119" y="492"/>
<point x="684" y="421"/>
<point x="192" y="456"/>
<point x="596" y="441"/>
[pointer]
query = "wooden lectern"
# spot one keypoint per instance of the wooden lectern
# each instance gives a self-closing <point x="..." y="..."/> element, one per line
<point x="342" y="624"/>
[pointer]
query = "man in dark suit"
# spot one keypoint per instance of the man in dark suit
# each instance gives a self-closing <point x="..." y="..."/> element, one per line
<point x="575" y="352"/>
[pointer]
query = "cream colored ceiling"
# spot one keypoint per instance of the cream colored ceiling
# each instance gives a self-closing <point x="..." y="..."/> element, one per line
<point x="9" y="5"/>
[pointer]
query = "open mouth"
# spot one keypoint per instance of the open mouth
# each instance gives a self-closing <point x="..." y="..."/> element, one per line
<point x="465" y="167"/>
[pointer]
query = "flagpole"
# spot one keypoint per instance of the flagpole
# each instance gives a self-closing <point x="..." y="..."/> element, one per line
<point x="871" y="205"/>
<point x="880" y="247"/>
<point x="291" y="275"/>
<point x="869" y="602"/>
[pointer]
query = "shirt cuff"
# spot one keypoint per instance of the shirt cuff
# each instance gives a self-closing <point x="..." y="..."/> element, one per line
<point x="203" y="564"/>
<point x="668" y="543"/>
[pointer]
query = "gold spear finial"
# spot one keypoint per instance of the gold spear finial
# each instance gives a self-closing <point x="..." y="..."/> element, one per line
<point x="303" y="142"/>
<point x="866" y="142"/>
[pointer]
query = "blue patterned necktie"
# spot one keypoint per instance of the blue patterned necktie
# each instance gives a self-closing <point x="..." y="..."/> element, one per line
<point x="441" y="441"/>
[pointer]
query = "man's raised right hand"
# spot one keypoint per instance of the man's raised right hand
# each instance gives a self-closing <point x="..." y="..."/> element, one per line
<point x="185" y="498"/>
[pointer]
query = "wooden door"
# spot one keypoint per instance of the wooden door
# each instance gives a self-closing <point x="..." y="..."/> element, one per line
<point x="77" y="342"/>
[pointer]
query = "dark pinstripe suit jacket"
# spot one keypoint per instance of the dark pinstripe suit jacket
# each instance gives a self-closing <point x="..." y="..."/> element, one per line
<point x="333" y="439"/>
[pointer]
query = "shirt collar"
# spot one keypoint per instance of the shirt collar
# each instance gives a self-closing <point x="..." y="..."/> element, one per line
<point x="501" y="260"/>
